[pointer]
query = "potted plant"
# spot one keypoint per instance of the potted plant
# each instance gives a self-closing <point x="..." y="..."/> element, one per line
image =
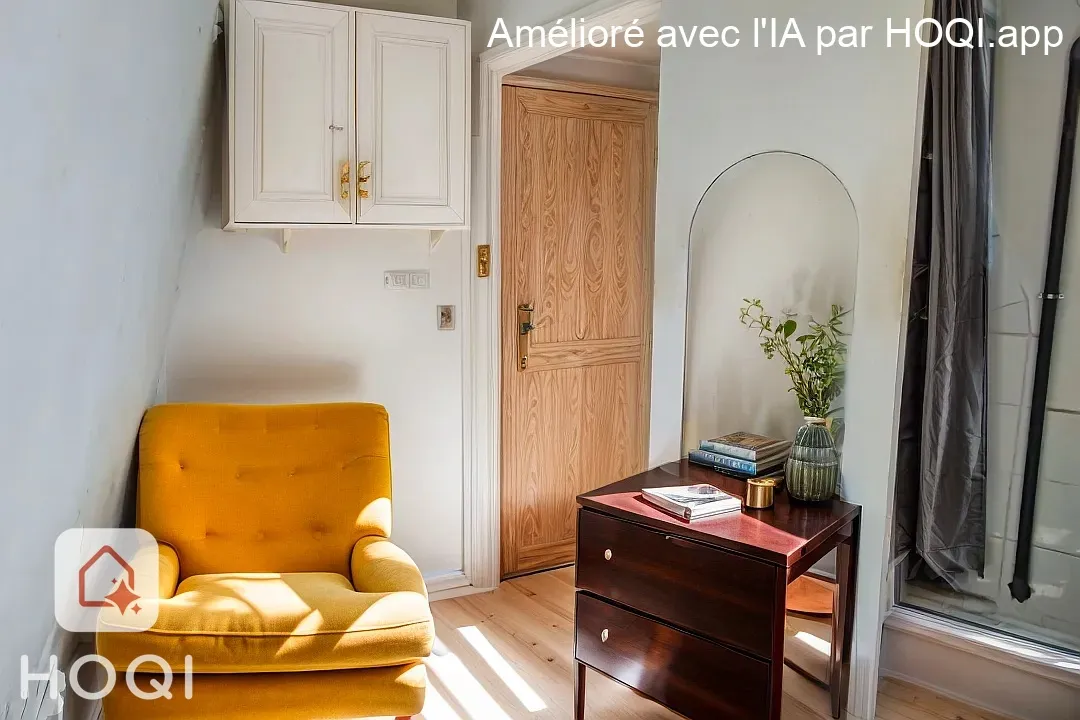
<point x="814" y="363"/>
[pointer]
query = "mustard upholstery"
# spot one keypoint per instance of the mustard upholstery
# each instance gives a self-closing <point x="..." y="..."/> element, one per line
<point x="276" y="573"/>
<point x="332" y="695"/>
<point x="252" y="488"/>
<point x="263" y="622"/>
<point x="168" y="571"/>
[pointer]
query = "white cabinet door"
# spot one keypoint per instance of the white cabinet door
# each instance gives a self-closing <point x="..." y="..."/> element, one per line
<point x="412" y="119"/>
<point x="292" y="120"/>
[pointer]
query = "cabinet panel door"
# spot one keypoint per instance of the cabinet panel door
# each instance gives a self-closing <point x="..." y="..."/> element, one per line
<point x="412" y="119"/>
<point x="293" y="120"/>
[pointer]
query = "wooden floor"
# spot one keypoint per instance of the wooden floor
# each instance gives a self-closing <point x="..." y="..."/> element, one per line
<point x="508" y="655"/>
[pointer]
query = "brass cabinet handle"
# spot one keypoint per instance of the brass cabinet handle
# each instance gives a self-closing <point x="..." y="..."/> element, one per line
<point x="604" y="635"/>
<point x="362" y="179"/>
<point x="346" y="182"/>
<point x="607" y="554"/>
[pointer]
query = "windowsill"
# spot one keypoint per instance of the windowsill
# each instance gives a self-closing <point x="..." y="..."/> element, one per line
<point x="1017" y="653"/>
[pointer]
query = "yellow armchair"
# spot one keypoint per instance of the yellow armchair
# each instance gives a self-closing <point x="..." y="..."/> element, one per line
<point x="277" y="578"/>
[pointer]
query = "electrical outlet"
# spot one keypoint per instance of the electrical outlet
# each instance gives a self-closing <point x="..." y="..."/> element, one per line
<point x="446" y="317"/>
<point x="419" y="280"/>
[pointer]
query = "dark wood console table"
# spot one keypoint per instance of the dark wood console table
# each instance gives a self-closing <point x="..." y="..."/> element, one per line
<point x="692" y="615"/>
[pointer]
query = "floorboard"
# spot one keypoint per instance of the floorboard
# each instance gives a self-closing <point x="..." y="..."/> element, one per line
<point x="508" y="655"/>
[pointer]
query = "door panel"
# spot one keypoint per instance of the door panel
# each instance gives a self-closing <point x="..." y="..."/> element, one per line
<point x="294" y="123"/>
<point x="412" y="113"/>
<point x="578" y="174"/>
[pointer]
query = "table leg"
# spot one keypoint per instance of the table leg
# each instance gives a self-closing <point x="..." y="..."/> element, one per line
<point x="579" y="690"/>
<point x="847" y="558"/>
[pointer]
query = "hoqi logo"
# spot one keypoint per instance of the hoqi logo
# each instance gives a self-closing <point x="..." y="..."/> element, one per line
<point x="106" y="580"/>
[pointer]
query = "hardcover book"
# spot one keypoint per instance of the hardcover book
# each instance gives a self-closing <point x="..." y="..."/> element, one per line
<point x="737" y="466"/>
<point x="746" y="446"/>
<point x="692" y="502"/>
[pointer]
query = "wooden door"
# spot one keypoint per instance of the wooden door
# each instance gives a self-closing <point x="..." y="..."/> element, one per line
<point x="577" y="194"/>
<point x="292" y="114"/>
<point x="412" y="114"/>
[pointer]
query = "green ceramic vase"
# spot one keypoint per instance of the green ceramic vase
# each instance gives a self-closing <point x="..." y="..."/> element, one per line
<point x="813" y="467"/>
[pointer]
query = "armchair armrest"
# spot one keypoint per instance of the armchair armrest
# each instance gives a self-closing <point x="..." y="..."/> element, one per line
<point x="168" y="571"/>
<point x="380" y="566"/>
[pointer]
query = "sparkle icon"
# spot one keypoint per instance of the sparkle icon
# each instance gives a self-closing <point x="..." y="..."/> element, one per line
<point x="123" y="598"/>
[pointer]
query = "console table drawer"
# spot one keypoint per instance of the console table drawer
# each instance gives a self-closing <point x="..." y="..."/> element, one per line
<point x="692" y="676"/>
<point x="707" y="590"/>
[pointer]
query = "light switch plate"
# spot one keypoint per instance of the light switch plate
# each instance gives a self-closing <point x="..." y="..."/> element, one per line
<point x="407" y="279"/>
<point x="396" y="280"/>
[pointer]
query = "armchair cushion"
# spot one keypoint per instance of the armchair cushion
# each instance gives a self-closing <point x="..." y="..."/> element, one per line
<point x="271" y="622"/>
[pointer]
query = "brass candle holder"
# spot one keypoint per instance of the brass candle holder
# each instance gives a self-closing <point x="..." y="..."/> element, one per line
<point x="761" y="492"/>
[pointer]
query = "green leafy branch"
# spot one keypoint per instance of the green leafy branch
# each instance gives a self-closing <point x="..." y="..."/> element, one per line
<point x="814" y="360"/>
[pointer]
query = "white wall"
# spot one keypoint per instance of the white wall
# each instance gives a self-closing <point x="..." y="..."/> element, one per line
<point x="102" y="112"/>
<point x="856" y="111"/>
<point x="484" y="13"/>
<point x="255" y="325"/>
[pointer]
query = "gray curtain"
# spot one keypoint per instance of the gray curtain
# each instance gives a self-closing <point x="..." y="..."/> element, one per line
<point x="951" y="528"/>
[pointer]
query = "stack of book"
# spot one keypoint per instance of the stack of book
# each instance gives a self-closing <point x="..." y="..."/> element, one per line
<point x="743" y="454"/>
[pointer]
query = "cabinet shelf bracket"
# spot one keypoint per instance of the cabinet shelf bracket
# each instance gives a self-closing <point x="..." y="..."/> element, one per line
<point x="286" y="236"/>
<point x="436" y="237"/>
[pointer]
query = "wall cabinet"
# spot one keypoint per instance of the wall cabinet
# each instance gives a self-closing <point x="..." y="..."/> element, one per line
<point x="340" y="116"/>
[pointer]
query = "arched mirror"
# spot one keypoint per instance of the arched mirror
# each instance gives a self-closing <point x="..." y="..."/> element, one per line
<point x="781" y="227"/>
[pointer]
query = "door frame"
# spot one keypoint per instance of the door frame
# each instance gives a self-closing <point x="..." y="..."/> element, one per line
<point x="482" y="380"/>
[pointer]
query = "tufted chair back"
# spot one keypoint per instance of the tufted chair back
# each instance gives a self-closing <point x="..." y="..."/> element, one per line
<point x="264" y="488"/>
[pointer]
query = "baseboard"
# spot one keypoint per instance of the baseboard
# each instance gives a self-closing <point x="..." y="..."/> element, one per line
<point x="439" y="584"/>
<point x="980" y="668"/>
<point x="920" y="682"/>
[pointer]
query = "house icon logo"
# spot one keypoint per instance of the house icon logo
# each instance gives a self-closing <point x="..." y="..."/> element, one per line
<point x="123" y="597"/>
<point x="105" y="580"/>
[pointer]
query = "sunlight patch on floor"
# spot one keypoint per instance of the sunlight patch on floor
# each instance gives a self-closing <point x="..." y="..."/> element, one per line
<point x="525" y="694"/>
<point x="436" y="707"/>
<point x="814" y="642"/>
<point x="467" y="690"/>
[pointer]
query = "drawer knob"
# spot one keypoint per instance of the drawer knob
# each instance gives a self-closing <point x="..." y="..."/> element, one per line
<point x="607" y="554"/>
<point x="603" y="635"/>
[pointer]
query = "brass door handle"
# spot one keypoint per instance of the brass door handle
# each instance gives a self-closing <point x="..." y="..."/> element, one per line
<point x="346" y="182"/>
<point x="525" y="326"/>
<point x="362" y="179"/>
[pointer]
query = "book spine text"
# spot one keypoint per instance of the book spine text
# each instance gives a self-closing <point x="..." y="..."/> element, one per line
<point x="730" y="450"/>
<point x="737" y="464"/>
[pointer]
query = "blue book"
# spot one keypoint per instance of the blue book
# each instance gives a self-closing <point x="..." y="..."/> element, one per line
<point x="747" y="446"/>
<point x="724" y="462"/>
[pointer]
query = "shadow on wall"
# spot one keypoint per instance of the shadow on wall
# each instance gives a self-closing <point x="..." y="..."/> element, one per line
<point x="776" y="226"/>
<point x="296" y="380"/>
